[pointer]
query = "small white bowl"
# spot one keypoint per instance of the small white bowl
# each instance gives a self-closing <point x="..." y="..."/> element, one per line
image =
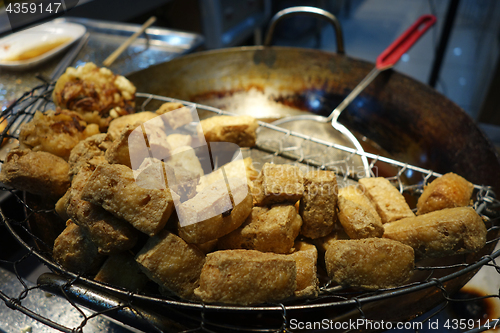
<point x="29" y="48"/>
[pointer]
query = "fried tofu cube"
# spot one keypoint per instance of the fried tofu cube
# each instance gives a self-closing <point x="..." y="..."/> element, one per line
<point x="266" y="230"/>
<point x="323" y="243"/>
<point x="172" y="263"/>
<point x="168" y="106"/>
<point x="317" y="206"/>
<point x="278" y="183"/>
<point x="389" y="202"/>
<point x="447" y="191"/>
<point x="240" y="130"/>
<point x="123" y="271"/>
<point x="113" y="187"/>
<point x="246" y="277"/>
<point x="186" y="158"/>
<point x="214" y="212"/>
<point x="234" y="169"/>
<point x="38" y="172"/>
<point x="75" y="251"/>
<point x="306" y="258"/>
<point x="177" y="117"/>
<point x="88" y="151"/>
<point x="110" y="234"/>
<point x="440" y="233"/>
<point x="55" y="132"/>
<point x="131" y="145"/>
<point x="371" y="263"/>
<point x="358" y="215"/>
<point x="116" y="126"/>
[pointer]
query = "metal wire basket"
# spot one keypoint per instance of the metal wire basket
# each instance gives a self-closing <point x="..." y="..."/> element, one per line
<point x="435" y="283"/>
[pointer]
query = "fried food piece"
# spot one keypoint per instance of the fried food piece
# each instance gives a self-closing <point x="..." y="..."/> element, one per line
<point x="61" y="205"/>
<point x="123" y="271"/>
<point x="441" y="233"/>
<point x="55" y="132"/>
<point x="235" y="169"/>
<point x="113" y="187"/>
<point x="389" y="202"/>
<point x="208" y="246"/>
<point x="239" y="130"/>
<point x="306" y="257"/>
<point x="266" y="230"/>
<point x="179" y="140"/>
<point x="75" y="251"/>
<point x="37" y="172"/>
<point x="116" y="126"/>
<point x="186" y="158"/>
<point x="172" y="263"/>
<point x="371" y="263"/>
<point x="278" y="183"/>
<point x="168" y="106"/>
<point x="246" y="277"/>
<point x="111" y="235"/>
<point x="90" y="149"/>
<point x="154" y="174"/>
<point x="96" y="93"/>
<point x="214" y="212"/>
<point x="358" y="215"/>
<point x="175" y="118"/>
<point x="447" y="191"/>
<point x="317" y="206"/>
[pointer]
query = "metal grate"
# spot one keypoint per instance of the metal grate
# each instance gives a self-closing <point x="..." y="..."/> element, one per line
<point x="151" y="312"/>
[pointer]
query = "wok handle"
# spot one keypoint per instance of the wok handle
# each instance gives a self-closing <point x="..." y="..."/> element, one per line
<point x="310" y="11"/>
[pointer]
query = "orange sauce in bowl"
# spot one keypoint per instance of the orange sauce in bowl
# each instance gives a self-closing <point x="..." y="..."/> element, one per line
<point x="38" y="50"/>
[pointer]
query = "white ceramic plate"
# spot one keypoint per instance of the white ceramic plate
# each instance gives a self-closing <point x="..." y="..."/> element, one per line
<point x="30" y="47"/>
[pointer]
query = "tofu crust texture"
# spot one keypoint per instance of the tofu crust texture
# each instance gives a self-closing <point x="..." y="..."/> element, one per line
<point x="246" y="277"/>
<point x="447" y="191"/>
<point x="371" y="263"/>
<point x="113" y="187"/>
<point x="317" y="206"/>
<point x="441" y="233"/>
<point x="389" y="202"/>
<point x="277" y="183"/>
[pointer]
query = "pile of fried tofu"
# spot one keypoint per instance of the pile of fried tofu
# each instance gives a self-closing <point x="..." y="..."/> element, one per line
<point x="231" y="236"/>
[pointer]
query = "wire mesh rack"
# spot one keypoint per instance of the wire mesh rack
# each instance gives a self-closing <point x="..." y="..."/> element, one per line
<point x="434" y="284"/>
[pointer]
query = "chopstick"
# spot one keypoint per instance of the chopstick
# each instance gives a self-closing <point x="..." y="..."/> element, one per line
<point x="112" y="57"/>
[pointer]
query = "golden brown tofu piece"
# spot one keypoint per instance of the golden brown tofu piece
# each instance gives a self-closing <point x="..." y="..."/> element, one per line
<point x="168" y="106"/>
<point x="61" y="205"/>
<point x="246" y="277"/>
<point x="36" y="172"/>
<point x="389" y="202"/>
<point x="110" y="234"/>
<point x="90" y="149"/>
<point x="96" y="93"/>
<point x="123" y="271"/>
<point x="306" y="258"/>
<point x="278" y="183"/>
<point x="55" y="132"/>
<point x="235" y="169"/>
<point x="116" y="126"/>
<point x="172" y="263"/>
<point x="317" y="206"/>
<point x="113" y="187"/>
<point x="208" y="247"/>
<point x="447" y="191"/>
<point x="371" y="263"/>
<point x="441" y="233"/>
<point x="266" y="230"/>
<point x="240" y="130"/>
<point x="322" y="244"/>
<point x="214" y="212"/>
<point x="358" y="215"/>
<point x="175" y="118"/>
<point x="75" y="251"/>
